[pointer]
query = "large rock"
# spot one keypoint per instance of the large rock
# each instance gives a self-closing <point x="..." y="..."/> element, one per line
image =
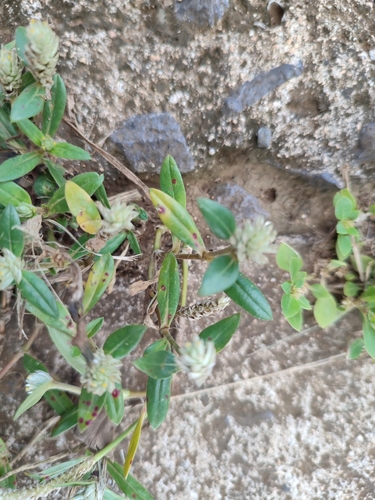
<point x="201" y="12"/>
<point x="145" y="140"/>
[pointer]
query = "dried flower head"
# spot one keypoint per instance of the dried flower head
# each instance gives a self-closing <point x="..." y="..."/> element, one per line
<point x="204" y="308"/>
<point x="10" y="269"/>
<point x="36" y="379"/>
<point x="117" y="218"/>
<point x="254" y="239"/>
<point x="89" y="492"/>
<point x="102" y="374"/>
<point x="41" y="52"/>
<point x="10" y="71"/>
<point x="197" y="358"/>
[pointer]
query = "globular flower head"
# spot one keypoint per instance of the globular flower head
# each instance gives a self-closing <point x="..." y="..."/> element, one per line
<point x="10" y="71"/>
<point x="41" y="52"/>
<point x="25" y="210"/>
<point x="10" y="269"/>
<point x="36" y="379"/>
<point x="117" y="218"/>
<point x="253" y="240"/>
<point x="102" y="374"/>
<point x="197" y="358"/>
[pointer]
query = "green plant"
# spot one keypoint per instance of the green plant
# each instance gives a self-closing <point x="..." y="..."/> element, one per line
<point x="341" y="284"/>
<point x="34" y="223"/>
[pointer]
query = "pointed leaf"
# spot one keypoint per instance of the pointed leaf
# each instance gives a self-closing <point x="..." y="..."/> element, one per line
<point x="133" y="242"/>
<point x="33" y="398"/>
<point x="284" y="257"/>
<point x="158" y="395"/>
<point x="343" y="246"/>
<point x="171" y="181"/>
<point x="355" y="349"/>
<point x="7" y="129"/>
<point x="99" y="278"/>
<point x="114" y="406"/>
<point x="21" y="43"/>
<point x="134" y="441"/>
<point x="54" y="108"/>
<point x="111" y="245"/>
<point x="159" y="364"/>
<point x="10" y="236"/>
<point x="94" y="327"/>
<point x="290" y="306"/>
<point x="220" y="275"/>
<point x="219" y="219"/>
<point x="69" y="152"/>
<point x="56" y="172"/>
<point x="326" y="311"/>
<point x="29" y="103"/>
<point x="83" y="208"/>
<point x="249" y="297"/>
<point x="177" y="219"/>
<point x="68" y="420"/>
<point x="221" y="332"/>
<point x="89" y="407"/>
<point x="131" y="487"/>
<point x="13" y="194"/>
<point x="34" y="290"/>
<point x="168" y="290"/>
<point x="296" y="320"/>
<point x="5" y="467"/>
<point x="121" y="342"/>
<point x="19" y="166"/>
<point x="101" y="195"/>
<point x="31" y="131"/>
<point x="369" y="337"/>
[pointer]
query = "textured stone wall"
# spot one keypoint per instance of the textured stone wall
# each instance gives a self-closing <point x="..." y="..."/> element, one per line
<point x="222" y="69"/>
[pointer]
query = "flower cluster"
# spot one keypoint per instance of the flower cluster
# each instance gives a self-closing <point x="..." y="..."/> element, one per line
<point x="36" y="379"/>
<point x="253" y="239"/>
<point x="10" y="269"/>
<point x="41" y="52"/>
<point x="10" y="71"/>
<point x="102" y="374"/>
<point x="197" y="358"/>
<point x="117" y="218"/>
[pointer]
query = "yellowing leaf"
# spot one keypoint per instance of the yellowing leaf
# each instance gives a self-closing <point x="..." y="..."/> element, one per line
<point x="133" y="445"/>
<point x="83" y="208"/>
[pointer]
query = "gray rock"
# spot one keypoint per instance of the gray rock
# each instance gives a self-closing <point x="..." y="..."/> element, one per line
<point x="145" y="140"/>
<point x="238" y="200"/>
<point x="201" y="12"/>
<point x="264" y="137"/>
<point x="366" y="151"/>
<point x="251" y="92"/>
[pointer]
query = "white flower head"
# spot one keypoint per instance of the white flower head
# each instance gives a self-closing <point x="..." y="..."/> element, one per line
<point x="10" y="269"/>
<point x="10" y="70"/>
<point x="36" y="379"/>
<point x="197" y="359"/>
<point x="102" y="374"/>
<point x="253" y="240"/>
<point x="117" y="218"/>
<point x="41" y="52"/>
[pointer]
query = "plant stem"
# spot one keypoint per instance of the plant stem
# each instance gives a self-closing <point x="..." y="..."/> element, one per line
<point x="185" y="276"/>
<point x="102" y="453"/>
<point x="206" y="255"/>
<point x="73" y="389"/>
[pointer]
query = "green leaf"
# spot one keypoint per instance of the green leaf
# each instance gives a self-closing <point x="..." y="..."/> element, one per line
<point x="21" y="43"/>
<point x="177" y="219"/>
<point x="134" y="441"/>
<point x="101" y="195"/>
<point x="131" y="487"/>
<point x="94" y="327"/>
<point x="111" y="495"/>
<point x="11" y="237"/>
<point x="99" y="278"/>
<point x="57" y="470"/>
<point x="69" y="152"/>
<point x="355" y="349"/>
<point x="56" y="172"/>
<point x="33" y="398"/>
<point x="319" y="291"/>
<point x="27" y="79"/>
<point x="326" y="311"/>
<point x="61" y="323"/>
<point x="343" y="246"/>
<point x="121" y="342"/>
<point x="296" y="321"/>
<point x="89" y="407"/>
<point x="287" y="287"/>
<point x="31" y="131"/>
<point x="133" y="242"/>
<point x="249" y="297"/>
<point x="158" y="345"/>
<point x="220" y="275"/>
<point x="44" y="186"/>
<point x="5" y="467"/>
<point x="7" y="129"/>
<point x="19" y="166"/>
<point x="343" y="208"/>
<point x="13" y="194"/>
<point x="168" y="290"/>
<point x="68" y="420"/>
<point x="158" y="395"/>
<point x="89" y="182"/>
<point x="219" y="219"/>
<point x="63" y="343"/>
<point x="159" y="364"/>
<point x="83" y="208"/>
<point x="111" y="245"/>
<point x="36" y="292"/>
<point x="351" y="289"/>
<point x="369" y="337"/>
<point x="304" y="303"/>
<point x="171" y="181"/>
<point x="295" y="265"/>
<point x="285" y="256"/>
<point x="114" y="406"/>
<point x="54" y="108"/>
<point x="290" y="306"/>
<point x="76" y="251"/>
<point x="29" y="103"/>
<point x="221" y="332"/>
